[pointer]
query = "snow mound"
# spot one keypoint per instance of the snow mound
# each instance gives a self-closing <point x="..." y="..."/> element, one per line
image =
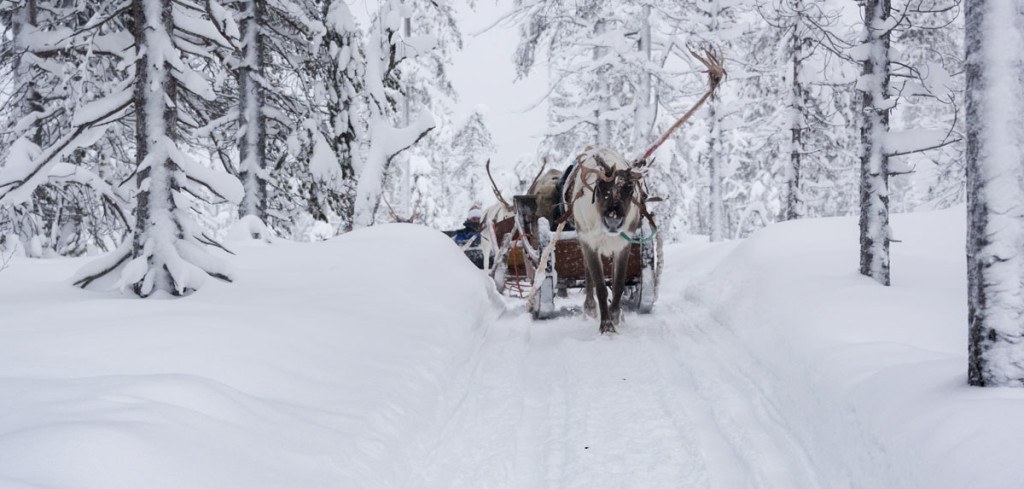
<point x="875" y="377"/>
<point x="318" y="367"/>
<point x="249" y="228"/>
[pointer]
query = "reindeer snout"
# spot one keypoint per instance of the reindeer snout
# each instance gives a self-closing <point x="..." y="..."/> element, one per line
<point x="612" y="221"/>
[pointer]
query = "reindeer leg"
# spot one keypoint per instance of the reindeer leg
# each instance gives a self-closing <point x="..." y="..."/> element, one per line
<point x="595" y="270"/>
<point x="589" y="306"/>
<point x="619" y="265"/>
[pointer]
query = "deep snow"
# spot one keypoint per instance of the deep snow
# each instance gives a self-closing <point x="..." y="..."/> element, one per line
<point x="876" y="376"/>
<point x="316" y="369"/>
<point x="382" y="359"/>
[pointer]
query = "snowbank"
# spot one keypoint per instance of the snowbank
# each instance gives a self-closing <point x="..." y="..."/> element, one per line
<point x="317" y="368"/>
<point x="874" y="377"/>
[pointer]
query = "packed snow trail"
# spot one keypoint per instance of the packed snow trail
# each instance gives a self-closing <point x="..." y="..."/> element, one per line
<point x="671" y="401"/>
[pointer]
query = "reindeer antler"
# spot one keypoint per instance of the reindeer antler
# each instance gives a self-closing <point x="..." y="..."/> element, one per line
<point x="396" y="217"/>
<point x="716" y="73"/>
<point x="494" y="187"/>
<point x="543" y="166"/>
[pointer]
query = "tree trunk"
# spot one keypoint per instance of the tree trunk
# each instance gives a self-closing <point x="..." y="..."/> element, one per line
<point x="26" y="21"/>
<point x="995" y="196"/>
<point x="798" y="42"/>
<point x="155" y="122"/>
<point x="252" y="144"/>
<point x="643" y="122"/>
<point x="717" y="207"/>
<point x="604" y="132"/>
<point x="874" y="162"/>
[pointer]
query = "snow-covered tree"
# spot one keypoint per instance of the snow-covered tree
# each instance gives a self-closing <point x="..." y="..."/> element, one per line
<point x="995" y="179"/>
<point x="620" y="75"/>
<point x="343" y="71"/>
<point x="465" y="183"/>
<point x="878" y="143"/>
<point x="425" y="84"/>
<point x="386" y="50"/>
<point x="804" y="31"/>
<point x="933" y="100"/>
<point x="270" y="39"/>
<point x="876" y="102"/>
<point x="68" y="207"/>
<point x="162" y="42"/>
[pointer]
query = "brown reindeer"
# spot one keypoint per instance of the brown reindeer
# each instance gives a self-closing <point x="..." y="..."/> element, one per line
<point x="609" y="200"/>
<point x="607" y="204"/>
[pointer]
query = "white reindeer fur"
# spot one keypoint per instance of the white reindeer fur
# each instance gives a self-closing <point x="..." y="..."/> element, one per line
<point x="492" y="215"/>
<point x="589" y="228"/>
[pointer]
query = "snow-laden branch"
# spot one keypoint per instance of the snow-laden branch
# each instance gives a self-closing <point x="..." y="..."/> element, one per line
<point x="912" y="141"/>
<point x="385" y="143"/>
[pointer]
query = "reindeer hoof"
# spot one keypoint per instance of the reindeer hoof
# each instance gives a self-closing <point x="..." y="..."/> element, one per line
<point x="590" y="309"/>
<point x="608" y="328"/>
<point x="616" y="317"/>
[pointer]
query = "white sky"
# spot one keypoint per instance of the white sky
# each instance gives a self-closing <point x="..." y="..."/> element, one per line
<point x="483" y="74"/>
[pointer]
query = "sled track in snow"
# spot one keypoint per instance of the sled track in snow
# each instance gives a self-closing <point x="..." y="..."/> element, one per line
<point x="672" y="401"/>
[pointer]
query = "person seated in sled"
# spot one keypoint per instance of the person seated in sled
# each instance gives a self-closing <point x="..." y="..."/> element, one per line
<point x="469" y="235"/>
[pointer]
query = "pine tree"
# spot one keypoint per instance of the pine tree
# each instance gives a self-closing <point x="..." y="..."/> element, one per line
<point x="273" y="97"/>
<point x="165" y="250"/>
<point x="344" y="67"/>
<point x="472" y="145"/>
<point x="67" y="204"/>
<point x="995" y="172"/>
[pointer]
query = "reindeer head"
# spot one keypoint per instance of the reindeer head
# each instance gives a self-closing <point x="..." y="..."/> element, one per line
<point x="615" y="192"/>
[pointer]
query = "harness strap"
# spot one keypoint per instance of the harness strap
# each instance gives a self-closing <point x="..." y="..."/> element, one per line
<point x="639" y="239"/>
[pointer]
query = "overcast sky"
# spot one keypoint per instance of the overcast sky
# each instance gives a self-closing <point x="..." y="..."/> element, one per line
<point x="483" y="74"/>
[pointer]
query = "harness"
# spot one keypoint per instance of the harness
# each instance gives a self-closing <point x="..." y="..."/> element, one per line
<point x="570" y="182"/>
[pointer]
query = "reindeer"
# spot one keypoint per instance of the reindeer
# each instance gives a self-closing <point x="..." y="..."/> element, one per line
<point x="502" y="210"/>
<point x="395" y="217"/>
<point x="607" y="204"/>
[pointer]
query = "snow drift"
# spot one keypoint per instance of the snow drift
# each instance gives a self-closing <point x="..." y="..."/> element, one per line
<point x="317" y="368"/>
<point x="875" y="377"/>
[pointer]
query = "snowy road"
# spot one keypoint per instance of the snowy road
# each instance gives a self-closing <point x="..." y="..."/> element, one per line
<point x="669" y="402"/>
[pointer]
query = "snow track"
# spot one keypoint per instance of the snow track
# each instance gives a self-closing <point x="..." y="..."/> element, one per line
<point x="672" y="401"/>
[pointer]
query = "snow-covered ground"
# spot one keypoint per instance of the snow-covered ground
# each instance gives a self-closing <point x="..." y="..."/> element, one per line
<point x="318" y="368"/>
<point x="381" y="359"/>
